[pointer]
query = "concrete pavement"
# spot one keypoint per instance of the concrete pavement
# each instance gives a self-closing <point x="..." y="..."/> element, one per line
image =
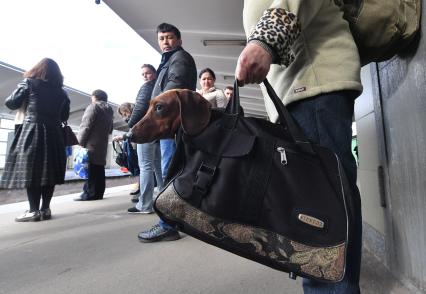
<point x="92" y="247"/>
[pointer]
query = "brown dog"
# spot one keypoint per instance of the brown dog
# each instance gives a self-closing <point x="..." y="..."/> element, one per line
<point x="170" y="110"/>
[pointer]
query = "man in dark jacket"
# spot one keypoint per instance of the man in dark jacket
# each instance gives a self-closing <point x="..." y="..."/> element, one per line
<point x="95" y="127"/>
<point x="177" y="70"/>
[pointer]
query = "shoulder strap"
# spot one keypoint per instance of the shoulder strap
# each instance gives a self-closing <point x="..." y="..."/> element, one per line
<point x="114" y="143"/>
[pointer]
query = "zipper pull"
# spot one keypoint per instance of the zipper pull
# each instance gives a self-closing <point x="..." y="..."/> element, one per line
<point x="283" y="155"/>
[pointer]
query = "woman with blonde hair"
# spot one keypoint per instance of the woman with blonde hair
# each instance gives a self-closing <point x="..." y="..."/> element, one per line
<point x="36" y="159"/>
<point x="125" y="110"/>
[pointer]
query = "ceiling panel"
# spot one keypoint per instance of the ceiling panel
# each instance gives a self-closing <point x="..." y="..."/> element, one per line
<point x="197" y="20"/>
<point x="10" y="76"/>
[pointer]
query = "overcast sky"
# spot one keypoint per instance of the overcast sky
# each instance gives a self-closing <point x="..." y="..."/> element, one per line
<point x="92" y="45"/>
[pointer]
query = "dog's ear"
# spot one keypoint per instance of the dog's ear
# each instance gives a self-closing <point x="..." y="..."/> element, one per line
<point x="194" y="111"/>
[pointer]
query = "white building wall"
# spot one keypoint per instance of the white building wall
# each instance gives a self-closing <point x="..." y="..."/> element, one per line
<point x="368" y="181"/>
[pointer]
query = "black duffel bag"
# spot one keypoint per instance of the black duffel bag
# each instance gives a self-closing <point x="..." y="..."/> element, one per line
<point x="262" y="191"/>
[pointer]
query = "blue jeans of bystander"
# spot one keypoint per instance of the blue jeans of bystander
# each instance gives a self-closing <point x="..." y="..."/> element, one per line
<point x="168" y="148"/>
<point x="149" y="159"/>
<point x="327" y="120"/>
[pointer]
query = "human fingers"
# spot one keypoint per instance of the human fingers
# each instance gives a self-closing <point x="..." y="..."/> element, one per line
<point x="240" y="71"/>
<point x="253" y="64"/>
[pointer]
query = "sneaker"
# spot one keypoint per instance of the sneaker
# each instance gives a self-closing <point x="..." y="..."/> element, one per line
<point x="135" y="199"/>
<point x="158" y="233"/>
<point x="45" y="214"/>
<point x="87" y="199"/>
<point x="147" y="211"/>
<point x="28" y="216"/>
<point x="135" y="210"/>
<point x="136" y="192"/>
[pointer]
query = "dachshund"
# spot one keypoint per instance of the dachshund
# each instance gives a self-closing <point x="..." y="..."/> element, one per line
<point x="170" y="110"/>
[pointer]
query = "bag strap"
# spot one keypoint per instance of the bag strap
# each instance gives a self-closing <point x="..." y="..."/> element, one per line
<point x="119" y="145"/>
<point x="233" y="106"/>
<point x="128" y="147"/>
<point x="210" y="162"/>
<point x="285" y="116"/>
<point x="290" y="127"/>
<point x="207" y="169"/>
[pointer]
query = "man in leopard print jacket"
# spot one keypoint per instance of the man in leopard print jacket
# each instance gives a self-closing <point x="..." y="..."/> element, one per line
<point x="308" y="54"/>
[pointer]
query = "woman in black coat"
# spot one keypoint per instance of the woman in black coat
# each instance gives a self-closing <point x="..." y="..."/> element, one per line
<point x="36" y="159"/>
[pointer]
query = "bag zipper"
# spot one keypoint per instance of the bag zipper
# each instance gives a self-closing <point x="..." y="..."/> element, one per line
<point x="283" y="155"/>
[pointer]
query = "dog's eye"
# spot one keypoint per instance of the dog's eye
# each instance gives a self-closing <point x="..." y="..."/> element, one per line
<point x="158" y="107"/>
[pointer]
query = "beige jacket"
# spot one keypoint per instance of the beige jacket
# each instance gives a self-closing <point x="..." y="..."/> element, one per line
<point x="315" y="51"/>
<point x="215" y="96"/>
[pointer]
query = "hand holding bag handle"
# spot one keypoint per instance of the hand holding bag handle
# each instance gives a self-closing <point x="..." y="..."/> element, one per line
<point x="287" y="121"/>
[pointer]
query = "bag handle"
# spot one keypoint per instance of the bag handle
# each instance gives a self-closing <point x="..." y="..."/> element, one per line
<point x="119" y="145"/>
<point x="233" y="106"/>
<point x="128" y="145"/>
<point x="286" y="120"/>
<point x="285" y="117"/>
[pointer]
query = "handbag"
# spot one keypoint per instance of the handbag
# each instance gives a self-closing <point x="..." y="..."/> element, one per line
<point x="81" y="163"/>
<point x="69" y="137"/>
<point x="121" y="158"/>
<point x="126" y="156"/>
<point x="261" y="191"/>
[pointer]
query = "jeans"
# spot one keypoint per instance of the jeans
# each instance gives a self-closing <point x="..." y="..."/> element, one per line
<point x="149" y="160"/>
<point x="168" y="148"/>
<point x="327" y="120"/>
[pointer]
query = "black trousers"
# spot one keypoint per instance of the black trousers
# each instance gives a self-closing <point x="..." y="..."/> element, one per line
<point x="34" y="193"/>
<point x="94" y="187"/>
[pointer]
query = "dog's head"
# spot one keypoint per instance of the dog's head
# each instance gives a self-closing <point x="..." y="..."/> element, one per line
<point x="168" y="111"/>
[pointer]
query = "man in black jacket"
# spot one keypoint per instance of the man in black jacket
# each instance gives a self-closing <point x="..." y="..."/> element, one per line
<point x="177" y="70"/>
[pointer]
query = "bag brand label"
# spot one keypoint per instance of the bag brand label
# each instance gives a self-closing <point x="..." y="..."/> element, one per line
<point x="310" y="220"/>
<point x="299" y="90"/>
